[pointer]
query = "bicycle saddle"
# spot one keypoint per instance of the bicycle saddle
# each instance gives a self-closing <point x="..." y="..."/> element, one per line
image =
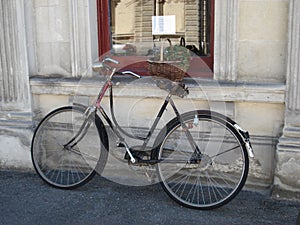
<point x="174" y="88"/>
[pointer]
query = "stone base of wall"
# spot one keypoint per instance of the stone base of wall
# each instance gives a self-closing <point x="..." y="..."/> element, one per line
<point x="282" y="193"/>
<point x="15" y="139"/>
<point x="15" y="149"/>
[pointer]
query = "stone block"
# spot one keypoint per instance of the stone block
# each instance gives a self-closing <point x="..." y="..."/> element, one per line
<point x="262" y="61"/>
<point x="49" y="102"/>
<point x="53" y="23"/>
<point x="15" y="149"/>
<point x="260" y="118"/>
<point x="261" y="171"/>
<point x="263" y="20"/>
<point x="54" y="58"/>
<point x="287" y="171"/>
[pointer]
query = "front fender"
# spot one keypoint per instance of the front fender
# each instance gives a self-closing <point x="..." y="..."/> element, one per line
<point x="100" y="126"/>
<point x="103" y="138"/>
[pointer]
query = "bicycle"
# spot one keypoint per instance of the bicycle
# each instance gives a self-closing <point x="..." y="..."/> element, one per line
<point x="201" y="157"/>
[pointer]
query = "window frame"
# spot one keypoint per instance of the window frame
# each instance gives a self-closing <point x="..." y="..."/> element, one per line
<point x="138" y="63"/>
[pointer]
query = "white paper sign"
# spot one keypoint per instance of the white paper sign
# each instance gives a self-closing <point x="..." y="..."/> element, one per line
<point x="163" y="25"/>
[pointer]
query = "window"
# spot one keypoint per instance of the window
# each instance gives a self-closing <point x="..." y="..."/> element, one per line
<point x="126" y="30"/>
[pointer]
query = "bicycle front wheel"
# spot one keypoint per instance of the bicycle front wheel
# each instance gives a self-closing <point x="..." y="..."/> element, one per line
<point x="207" y="180"/>
<point x="67" y="166"/>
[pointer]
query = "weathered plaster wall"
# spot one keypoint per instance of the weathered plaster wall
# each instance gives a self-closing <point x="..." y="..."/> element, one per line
<point x="262" y="40"/>
<point x="256" y="55"/>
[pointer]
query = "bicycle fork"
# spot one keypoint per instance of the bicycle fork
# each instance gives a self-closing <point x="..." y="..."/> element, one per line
<point x="88" y="114"/>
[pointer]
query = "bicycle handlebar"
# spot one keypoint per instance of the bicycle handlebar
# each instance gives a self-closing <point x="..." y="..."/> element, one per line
<point x="99" y="65"/>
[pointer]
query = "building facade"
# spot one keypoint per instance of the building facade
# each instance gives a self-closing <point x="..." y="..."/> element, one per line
<point x="254" y="47"/>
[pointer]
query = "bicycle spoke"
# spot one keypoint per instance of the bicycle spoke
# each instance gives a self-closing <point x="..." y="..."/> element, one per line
<point x="83" y="154"/>
<point x="178" y="183"/>
<point x="217" y="187"/>
<point x="202" y="192"/>
<point x="200" y="183"/>
<point x="229" y="150"/>
<point x="57" y="165"/>
<point x="193" y="188"/>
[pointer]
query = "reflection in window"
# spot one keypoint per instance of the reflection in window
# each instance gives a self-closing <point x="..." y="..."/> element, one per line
<point x="131" y="25"/>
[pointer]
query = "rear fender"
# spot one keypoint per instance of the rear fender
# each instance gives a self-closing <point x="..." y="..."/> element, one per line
<point x="246" y="137"/>
<point x="244" y="134"/>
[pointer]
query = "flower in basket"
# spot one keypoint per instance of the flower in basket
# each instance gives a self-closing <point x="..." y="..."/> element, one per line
<point x="180" y="54"/>
<point x="171" y="62"/>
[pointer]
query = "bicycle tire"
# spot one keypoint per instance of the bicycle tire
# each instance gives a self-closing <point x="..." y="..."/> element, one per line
<point x="220" y="174"/>
<point x="68" y="168"/>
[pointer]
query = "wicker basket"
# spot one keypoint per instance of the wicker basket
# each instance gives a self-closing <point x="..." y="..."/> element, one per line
<point x="166" y="69"/>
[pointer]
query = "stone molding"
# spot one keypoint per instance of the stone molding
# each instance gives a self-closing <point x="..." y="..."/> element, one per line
<point x="228" y="92"/>
<point x="225" y="47"/>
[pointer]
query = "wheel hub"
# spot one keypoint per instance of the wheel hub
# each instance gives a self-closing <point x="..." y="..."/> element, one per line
<point x="201" y="161"/>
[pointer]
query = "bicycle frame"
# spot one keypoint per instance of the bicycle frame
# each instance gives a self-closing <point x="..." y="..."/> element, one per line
<point x="116" y="128"/>
<point x="118" y="131"/>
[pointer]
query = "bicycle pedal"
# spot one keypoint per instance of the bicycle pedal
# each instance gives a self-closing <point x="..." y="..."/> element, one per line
<point x="127" y="157"/>
<point x="137" y="155"/>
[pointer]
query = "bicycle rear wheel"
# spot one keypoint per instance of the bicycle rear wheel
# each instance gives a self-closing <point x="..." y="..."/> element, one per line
<point x="204" y="181"/>
<point x="67" y="166"/>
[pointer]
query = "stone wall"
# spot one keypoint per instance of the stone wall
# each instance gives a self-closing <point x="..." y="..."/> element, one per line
<point x="256" y="67"/>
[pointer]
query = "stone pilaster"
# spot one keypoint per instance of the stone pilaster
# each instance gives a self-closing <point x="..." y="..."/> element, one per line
<point x="14" y="85"/>
<point x="15" y="101"/>
<point x="80" y="32"/>
<point x="225" y="48"/>
<point x="287" y="175"/>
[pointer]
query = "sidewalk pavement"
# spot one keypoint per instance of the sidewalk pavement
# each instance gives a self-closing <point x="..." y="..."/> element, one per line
<point x="25" y="199"/>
